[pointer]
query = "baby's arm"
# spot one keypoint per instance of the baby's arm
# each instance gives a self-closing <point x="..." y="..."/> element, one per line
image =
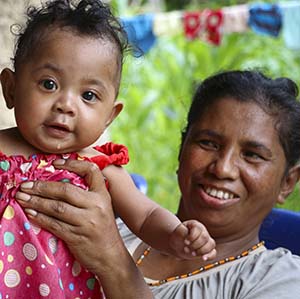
<point x="153" y="224"/>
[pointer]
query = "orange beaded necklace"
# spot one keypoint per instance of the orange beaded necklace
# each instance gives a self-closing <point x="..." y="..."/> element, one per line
<point x="201" y="269"/>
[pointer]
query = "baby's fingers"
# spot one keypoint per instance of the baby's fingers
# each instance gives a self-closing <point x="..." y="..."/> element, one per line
<point x="208" y="250"/>
<point x="178" y="236"/>
<point x="210" y="256"/>
<point x="196" y="234"/>
<point x="198" y="242"/>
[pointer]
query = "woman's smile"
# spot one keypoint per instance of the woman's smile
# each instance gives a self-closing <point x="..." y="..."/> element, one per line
<point x="216" y="198"/>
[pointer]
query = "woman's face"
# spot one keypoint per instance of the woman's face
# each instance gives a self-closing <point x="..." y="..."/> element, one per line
<point x="231" y="168"/>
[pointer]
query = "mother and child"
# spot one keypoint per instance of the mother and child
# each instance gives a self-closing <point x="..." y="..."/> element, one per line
<point x="239" y="156"/>
<point x="63" y="89"/>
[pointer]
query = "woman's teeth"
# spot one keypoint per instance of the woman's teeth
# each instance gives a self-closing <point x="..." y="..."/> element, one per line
<point x="219" y="193"/>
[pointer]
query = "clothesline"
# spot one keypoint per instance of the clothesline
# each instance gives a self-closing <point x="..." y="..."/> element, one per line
<point x="210" y="25"/>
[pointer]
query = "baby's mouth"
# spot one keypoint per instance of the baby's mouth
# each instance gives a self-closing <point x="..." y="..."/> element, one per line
<point x="59" y="128"/>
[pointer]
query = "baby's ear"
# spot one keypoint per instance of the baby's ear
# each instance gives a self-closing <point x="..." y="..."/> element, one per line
<point x="118" y="107"/>
<point x="8" y="86"/>
<point x="289" y="183"/>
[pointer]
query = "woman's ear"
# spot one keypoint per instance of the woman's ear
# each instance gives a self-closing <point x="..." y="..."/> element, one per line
<point x="289" y="183"/>
<point x="8" y="86"/>
<point x="118" y="106"/>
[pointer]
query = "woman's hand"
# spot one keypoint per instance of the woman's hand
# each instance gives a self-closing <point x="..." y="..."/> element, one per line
<point x="84" y="219"/>
<point x="81" y="218"/>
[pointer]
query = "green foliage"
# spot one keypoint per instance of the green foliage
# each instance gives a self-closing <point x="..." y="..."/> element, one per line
<point x="157" y="90"/>
<point x="170" y="5"/>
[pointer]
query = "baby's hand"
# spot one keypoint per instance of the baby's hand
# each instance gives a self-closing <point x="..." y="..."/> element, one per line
<point x="198" y="242"/>
<point x="191" y="239"/>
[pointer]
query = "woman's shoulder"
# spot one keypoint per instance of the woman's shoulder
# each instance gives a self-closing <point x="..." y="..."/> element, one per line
<point x="265" y="275"/>
<point x="278" y="258"/>
<point x="270" y="273"/>
<point x="260" y="275"/>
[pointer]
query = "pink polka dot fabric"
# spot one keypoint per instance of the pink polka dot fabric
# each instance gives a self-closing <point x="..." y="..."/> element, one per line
<point x="33" y="262"/>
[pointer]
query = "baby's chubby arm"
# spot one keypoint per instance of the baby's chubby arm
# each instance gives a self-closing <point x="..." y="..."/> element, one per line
<point x="155" y="225"/>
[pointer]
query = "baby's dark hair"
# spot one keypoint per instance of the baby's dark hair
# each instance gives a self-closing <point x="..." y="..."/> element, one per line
<point x="86" y="17"/>
<point x="277" y="97"/>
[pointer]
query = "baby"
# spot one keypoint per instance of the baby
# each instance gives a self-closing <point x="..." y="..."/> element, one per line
<point x="63" y="89"/>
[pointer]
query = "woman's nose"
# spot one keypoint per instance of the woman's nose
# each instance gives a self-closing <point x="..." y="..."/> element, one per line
<point x="225" y="166"/>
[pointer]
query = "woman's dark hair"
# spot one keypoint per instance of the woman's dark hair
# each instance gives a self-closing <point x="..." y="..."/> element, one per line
<point x="277" y="97"/>
<point x="86" y="17"/>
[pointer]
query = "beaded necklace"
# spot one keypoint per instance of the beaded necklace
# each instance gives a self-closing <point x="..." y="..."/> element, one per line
<point x="201" y="269"/>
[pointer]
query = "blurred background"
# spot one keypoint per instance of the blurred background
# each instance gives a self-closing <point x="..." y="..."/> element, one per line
<point x="183" y="41"/>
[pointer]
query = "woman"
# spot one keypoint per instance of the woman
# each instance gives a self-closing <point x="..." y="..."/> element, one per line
<point x="238" y="158"/>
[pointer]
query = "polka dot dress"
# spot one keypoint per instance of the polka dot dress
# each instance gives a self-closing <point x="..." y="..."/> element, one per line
<point x="33" y="262"/>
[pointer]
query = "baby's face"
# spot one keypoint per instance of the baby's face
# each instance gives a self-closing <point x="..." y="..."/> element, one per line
<point x="64" y="96"/>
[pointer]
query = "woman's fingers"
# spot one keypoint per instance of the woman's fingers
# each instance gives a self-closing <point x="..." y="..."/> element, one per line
<point x="64" y="201"/>
<point x="88" y="170"/>
<point x="59" y="228"/>
<point x="58" y="209"/>
<point x="53" y="190"/>
<point x="84" y="219"/>
<point x="65" y="192"/>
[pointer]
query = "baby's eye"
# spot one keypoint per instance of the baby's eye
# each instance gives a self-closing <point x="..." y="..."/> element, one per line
<point x="49" y="84"/>
<point x="89" y="96"/>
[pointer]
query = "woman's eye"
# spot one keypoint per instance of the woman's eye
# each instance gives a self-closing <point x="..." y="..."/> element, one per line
<point x="208" y="144"/>
<point x="253" y="156"/>
<point x="49" y="84"/>
<point x="89" y="96"/>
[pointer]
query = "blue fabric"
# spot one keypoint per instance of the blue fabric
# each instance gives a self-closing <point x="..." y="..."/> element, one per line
<point x="291" y="24"/>
<point x="140" y="31"/>
<point x="281" y="228"/>
<point x="265" y="19"/>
